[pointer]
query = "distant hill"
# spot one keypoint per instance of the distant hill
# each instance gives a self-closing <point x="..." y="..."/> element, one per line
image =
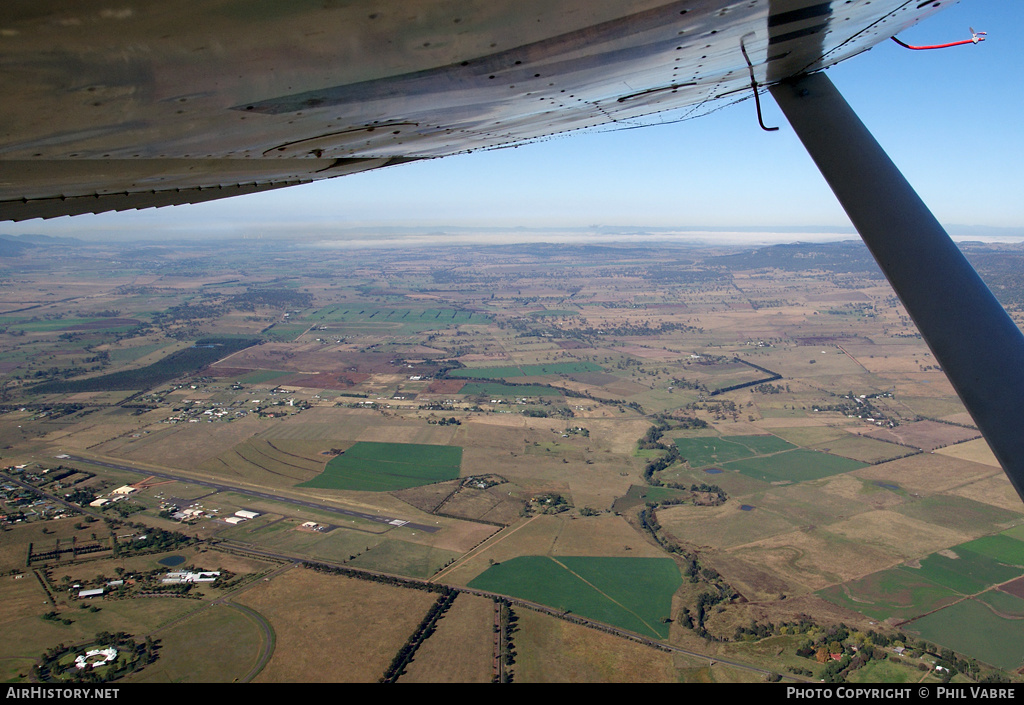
<point x="10" y="247"/>
<point x="16" y="245"/>
<point x="846" y="256"/>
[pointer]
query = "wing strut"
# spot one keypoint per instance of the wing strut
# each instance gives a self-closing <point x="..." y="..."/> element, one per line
<point x="977" y="344"/>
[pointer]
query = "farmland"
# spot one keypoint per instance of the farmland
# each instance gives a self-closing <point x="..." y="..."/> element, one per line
<point x="574" y="448"/>
<point x="380" y="467"/>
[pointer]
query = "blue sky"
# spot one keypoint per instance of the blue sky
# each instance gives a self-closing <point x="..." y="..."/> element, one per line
<point x="951" y="120"/>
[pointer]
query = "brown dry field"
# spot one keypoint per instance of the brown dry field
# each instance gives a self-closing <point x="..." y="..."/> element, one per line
<point x="14" y="541"/>
<point x="23" y="602"/>
<point x="227" y="650"/>
<point x="99" y="427"/>
<point x="901" y="536"/>
<point x="462" y="648"/>
<point x="752" y="578"/>
<point x="737" y="428"/>
<point x="602" y="535"/>
<point x="332" y="629"/>
<point x="961" y="419"/>
<point x="813" y="559"/>
<point x="926" y="435"/>
<point x="866" y="450"/>
<point x="427" y="497"/>
<point x="313" y="357"/>
<point x="550" y="650"/>
<point x="927" y="473"/>
<point x="891" y="360"/>
<point x="724" y="526"/>
<point x="994" y="489"/>
<point x="494" y="504"/>
<point x="802" y="433"/>
<point x="265" y="463"/>
<point x="851" y="488"/>
<point x="446" y="386"/>
<point x="321" y="380"/>
<point x="184" y="445"/>
<point x="976" y="451"/>
<point x="1014" y="587"/>
<point x="822" y="502"/>
<point x="412" y="432"/>
<point x="930" y="400"/>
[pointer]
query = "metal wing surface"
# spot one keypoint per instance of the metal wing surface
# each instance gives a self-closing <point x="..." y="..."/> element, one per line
<point x="140" y="104"/>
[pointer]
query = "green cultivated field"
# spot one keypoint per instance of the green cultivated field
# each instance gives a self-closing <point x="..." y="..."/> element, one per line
<point x="968" y="573"/>
<point x="890" y="594"/>
<point x="561" y="368"/>
<point x="715" y="450"/>
<point x="1001" y="547"/>
<point x="1006" y="605"/>
<point x="382" y="467"/>
<point x="797" y="465"/>
<point x="970" y="627"/>
<point x="631" y="593"/>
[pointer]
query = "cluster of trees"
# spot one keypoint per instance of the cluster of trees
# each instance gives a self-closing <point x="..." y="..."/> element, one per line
<point x="58" y="665"/>
<point x="450" y="421"/>
<point x="374" y="577"/>
<point x="658" y="464"/>
<point x="508" y="627"/>
<point x="695" y="619"/>
<point x="154" y="540"/>
<point x="421" y="634"/>
<point x="270" y="298"/>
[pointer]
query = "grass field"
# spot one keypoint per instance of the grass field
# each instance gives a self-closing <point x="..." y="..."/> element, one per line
<point x="228" y="650"/>
<point x="330" y="629"/>
<point x="551" y="650"/>
<point x="381" y="467"/>
<point x="867" y="450"/>
<point x="970" y="627"/>
<point x="797" y="465"/>
<point x="467" y="629"/>
<point x="964" y="571"/>
<point x="702" y="451"/>
<point x="1001" y="547"/>
<point x="890" y="594"/>
<point x="631" y="593"/>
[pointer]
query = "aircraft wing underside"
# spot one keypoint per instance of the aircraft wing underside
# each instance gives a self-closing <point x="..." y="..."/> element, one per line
<point x="143" y="104"/>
